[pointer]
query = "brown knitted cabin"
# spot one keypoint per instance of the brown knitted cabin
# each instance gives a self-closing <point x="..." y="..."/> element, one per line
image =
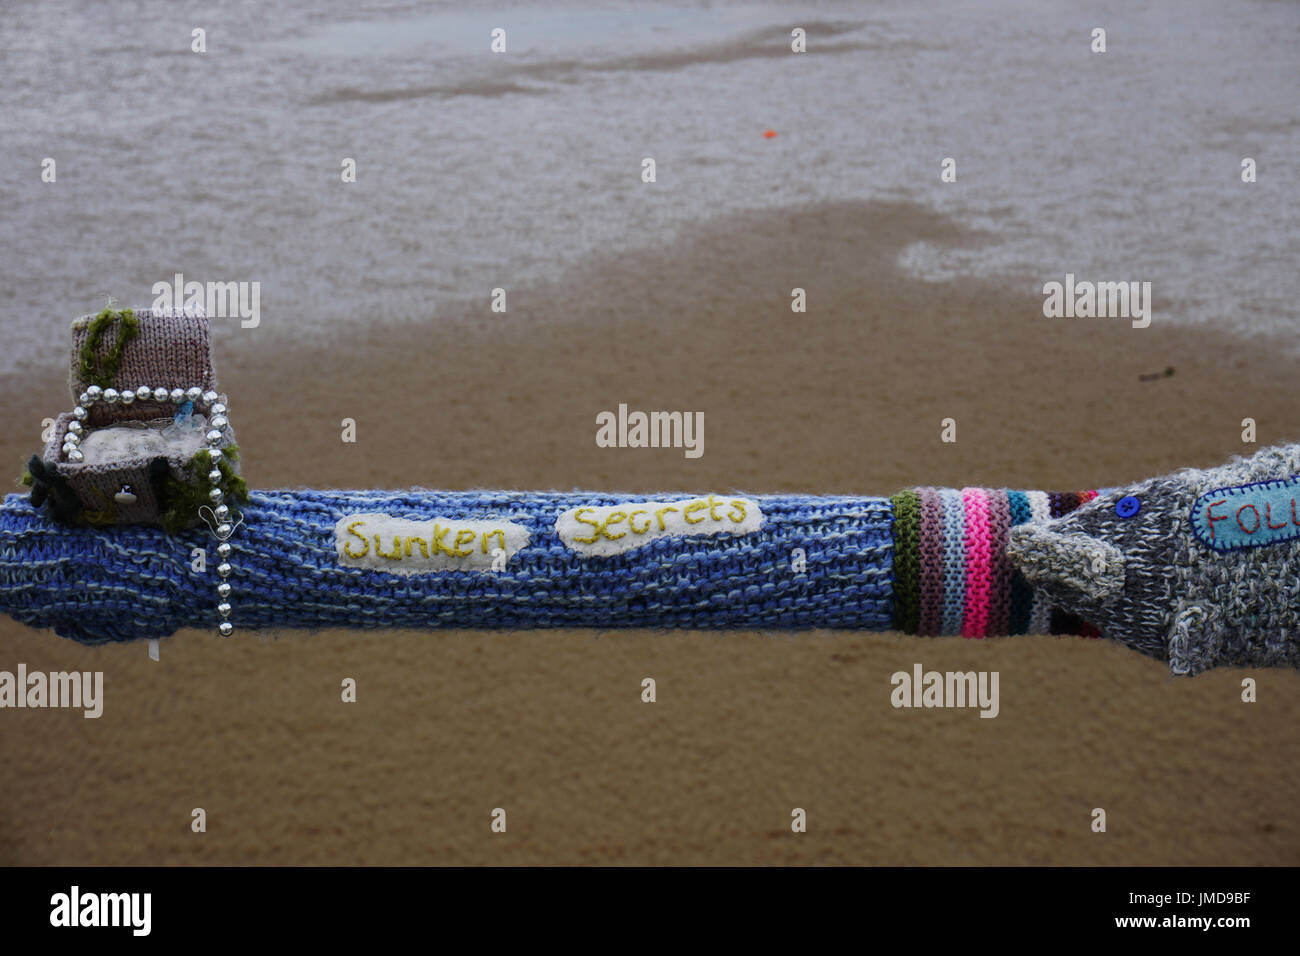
<point x="139" y="473"/>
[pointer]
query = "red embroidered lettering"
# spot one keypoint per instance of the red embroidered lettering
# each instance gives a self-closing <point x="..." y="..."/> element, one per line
<point x="1241" y="524"/>
<point x="1210" y="516"/>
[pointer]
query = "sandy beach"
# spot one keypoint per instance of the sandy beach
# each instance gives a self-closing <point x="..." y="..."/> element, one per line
<point x="847" y="399"/>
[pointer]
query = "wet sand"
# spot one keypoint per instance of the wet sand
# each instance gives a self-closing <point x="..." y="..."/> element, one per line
<point x="847" y="398"/>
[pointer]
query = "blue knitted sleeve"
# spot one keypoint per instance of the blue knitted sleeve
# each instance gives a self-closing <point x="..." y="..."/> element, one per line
<point x="821" y="562"/>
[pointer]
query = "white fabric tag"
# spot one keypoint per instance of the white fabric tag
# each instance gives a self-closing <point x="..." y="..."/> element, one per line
<point x="615" y="529"/>
<point x="402" y="546"/>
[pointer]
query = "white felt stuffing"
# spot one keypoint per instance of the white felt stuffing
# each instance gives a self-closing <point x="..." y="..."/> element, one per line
<point x="113" y="443"/>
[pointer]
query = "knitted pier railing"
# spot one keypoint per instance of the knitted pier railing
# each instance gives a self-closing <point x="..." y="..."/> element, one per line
<point x="924" y="561"/>
<point x="1199" y="567"/>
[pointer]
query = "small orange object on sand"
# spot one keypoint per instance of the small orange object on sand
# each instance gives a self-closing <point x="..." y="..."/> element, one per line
<point x="769" y="133"/>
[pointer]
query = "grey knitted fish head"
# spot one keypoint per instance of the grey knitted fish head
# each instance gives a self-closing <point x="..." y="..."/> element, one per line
<point x="1200" y="568"/>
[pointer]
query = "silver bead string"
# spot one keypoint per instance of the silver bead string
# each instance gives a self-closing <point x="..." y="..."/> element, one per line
<point x="217" y="515"/>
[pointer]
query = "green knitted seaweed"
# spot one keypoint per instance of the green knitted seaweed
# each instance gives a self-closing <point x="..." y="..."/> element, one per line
<point x="183" y="499"/>
<point x="97" y="370"/>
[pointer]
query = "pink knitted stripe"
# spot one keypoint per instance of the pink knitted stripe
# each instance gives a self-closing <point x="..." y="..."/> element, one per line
<point x="999" y="618"/>
<point x="979" y="563"/>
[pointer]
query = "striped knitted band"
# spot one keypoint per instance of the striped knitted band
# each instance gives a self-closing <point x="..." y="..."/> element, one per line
<point x="954" y="561"/>
<point x="951" y="573"/>
<point x="1021" y="599"/>
<point x="979" y="544"/>
<point x="907" y="585"/>
<point x="930" y="620"/>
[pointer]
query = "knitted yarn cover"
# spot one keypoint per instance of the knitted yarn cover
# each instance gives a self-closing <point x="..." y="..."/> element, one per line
<point x="97" y="585"/>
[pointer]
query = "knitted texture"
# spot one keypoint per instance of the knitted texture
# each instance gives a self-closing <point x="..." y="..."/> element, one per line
<point x="1144" y="578"/>
<point x="978" y="547"/>
<point x="951" y="571"/>
<point x="1040" y="617"/>
<point x="930" y="620"/>
<point x="94" y="484"/>
<point x="125" y="350"/>
<point x="168" y="350"/>
<point x="954" y="561"/>
<point x="98" y="585"/>
<point x="907" y="508"/>
<point x="1020" y="602"/>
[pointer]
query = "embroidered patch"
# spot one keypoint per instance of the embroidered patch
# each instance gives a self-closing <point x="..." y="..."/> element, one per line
<point x="403" y="546"/>
<point x="1248" y="516"/>
<point x="614" y="529"/>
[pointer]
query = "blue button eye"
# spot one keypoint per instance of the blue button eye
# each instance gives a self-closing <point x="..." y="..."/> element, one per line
<point x="1127" y="506"/>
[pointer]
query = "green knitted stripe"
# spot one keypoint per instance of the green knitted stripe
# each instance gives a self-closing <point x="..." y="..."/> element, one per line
<point x="102" y="370"/>
<point x="907" y="567"/>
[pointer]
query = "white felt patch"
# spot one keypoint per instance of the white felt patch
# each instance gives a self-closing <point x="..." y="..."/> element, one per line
<point x="614" y="529"/>
<point x="402" y="546"/>
<point x="114" y="443"/>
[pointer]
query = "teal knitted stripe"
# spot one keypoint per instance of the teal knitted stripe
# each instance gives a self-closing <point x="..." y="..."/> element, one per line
<point x="1022" y="594"/>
